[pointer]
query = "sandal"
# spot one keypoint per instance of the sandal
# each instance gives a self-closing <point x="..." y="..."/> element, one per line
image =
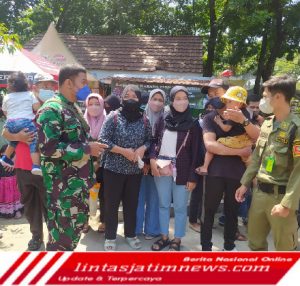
<point x="174" y="245"/>
<point x="240" y="237"/>
<point x="110" y="245"/>
<point x="134" y="242"/>
<point x="34" y="244"/>
<point x="101" y="227"/>
<point x="160" y="244"/>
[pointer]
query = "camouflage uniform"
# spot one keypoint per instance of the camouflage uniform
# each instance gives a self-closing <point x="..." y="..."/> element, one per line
<point x="67" y="170"/>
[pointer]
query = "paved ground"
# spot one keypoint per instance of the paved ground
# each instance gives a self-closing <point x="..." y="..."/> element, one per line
<point x="16" y="234"/>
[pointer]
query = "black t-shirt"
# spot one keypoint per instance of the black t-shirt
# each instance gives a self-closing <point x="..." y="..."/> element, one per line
<point x="224" y="166"/>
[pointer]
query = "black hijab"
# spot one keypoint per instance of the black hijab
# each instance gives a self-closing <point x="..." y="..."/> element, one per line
<point x="178" y="121"/>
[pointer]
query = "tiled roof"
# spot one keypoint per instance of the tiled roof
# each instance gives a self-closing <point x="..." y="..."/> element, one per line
<point x="165" y="81"/>
<point x="134" y="53"/>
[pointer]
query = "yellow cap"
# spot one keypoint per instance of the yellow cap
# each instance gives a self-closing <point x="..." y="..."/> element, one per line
<point x="236" y="93"/>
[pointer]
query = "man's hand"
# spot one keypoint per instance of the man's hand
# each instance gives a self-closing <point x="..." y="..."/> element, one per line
<point x="190" y="186"/>
<point x="154" y="168"/>
<point x="279" y="210"/>
<point x="23" y="136"/>
<point x="97" y="148"/>
<point x="245" y="152"/>
<point x="240" y="193"/>
<point x="26" y="136"/>
<point x="235" y="115"/>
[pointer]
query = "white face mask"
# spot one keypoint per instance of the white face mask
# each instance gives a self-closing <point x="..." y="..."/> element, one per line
<point x="265" y="106"/>
<point x="94" y="110"/>
<point x="180" y="105"/>
<point x="155" y="105"/>
<point x="45" y="94"/>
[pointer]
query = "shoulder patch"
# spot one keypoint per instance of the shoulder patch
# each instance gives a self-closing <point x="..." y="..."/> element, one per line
<point x="296" y="150"/>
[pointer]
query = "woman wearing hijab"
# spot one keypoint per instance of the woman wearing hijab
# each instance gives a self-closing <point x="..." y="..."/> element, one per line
<point x="127" y="133"/>
<point x="147" y="221"/>
<point x="94" y="116"/>
<point x="173" y="161"/>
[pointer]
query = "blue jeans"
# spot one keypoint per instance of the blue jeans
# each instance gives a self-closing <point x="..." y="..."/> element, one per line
<point x="167" y="189"/>
<point x="147" y="210"/>
<point x="16" y="125"/>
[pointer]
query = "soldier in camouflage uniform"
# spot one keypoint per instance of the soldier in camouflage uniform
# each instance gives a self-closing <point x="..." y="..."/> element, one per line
<point x="276" y="164"/>
<point x="66" y="161"/>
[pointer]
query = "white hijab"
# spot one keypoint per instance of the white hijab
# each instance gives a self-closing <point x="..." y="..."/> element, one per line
<point x="154" y="116"/>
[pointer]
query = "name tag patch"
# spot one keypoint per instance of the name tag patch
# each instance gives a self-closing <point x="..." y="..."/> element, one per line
<point x="296" y="151"/>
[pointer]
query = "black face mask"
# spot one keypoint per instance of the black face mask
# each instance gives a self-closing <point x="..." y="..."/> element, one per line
<point x="131" y="110"/>
<point x="216" y="103"/>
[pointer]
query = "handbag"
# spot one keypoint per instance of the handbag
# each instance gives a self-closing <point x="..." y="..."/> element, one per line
<point x="166" y="167"/>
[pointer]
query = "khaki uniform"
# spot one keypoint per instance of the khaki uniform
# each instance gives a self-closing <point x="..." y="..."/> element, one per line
<point x="276" y="164"/>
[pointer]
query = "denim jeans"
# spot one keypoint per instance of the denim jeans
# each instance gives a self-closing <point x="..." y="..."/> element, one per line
<point x="168" y="190"/>
<point x="147" y="219"/>
<point x="16" y="125"/>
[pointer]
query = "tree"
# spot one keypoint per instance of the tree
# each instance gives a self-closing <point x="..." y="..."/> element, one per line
<point x="8" y="41"/>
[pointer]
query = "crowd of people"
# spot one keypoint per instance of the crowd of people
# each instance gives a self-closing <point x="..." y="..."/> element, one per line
<point x="243" y="149"/>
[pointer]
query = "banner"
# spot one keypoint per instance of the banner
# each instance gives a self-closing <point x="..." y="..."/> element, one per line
<point x="143" y="268"/>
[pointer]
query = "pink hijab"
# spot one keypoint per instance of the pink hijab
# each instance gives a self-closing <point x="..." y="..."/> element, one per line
<point x="95" y="120"/>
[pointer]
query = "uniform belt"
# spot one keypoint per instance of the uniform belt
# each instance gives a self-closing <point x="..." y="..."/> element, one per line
<point x="269" y="188"/>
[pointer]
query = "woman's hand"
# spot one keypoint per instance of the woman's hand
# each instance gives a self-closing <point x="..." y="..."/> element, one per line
<point x="190" y="186"/>
<point x="140" y="152"/>
<point x="129" y="154"/>
<point x="154" y="168"/>
<point x="146" y="169"/>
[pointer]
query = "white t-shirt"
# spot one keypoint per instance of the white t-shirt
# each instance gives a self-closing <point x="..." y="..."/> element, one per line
<point x="19" y="105"/>
<point x="168" y="144"/>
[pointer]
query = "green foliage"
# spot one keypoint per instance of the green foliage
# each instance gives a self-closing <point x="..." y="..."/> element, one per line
<point x="8" y="41"/>
<point x="241" y="25"/>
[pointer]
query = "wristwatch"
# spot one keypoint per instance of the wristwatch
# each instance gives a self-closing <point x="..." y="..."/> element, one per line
<point x="246" y="122"/>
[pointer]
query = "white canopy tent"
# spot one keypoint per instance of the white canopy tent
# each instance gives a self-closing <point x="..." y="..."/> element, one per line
<point x="54" y="50"/>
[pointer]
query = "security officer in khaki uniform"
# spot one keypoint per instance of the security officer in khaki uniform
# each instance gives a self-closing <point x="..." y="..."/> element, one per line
<point x="276" y="164"/>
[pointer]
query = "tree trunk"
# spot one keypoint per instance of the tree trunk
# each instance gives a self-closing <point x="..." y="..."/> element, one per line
<point x="278" y="38"/>
<point x="261" y="61"/>
<point x="60" y="26"/>
<point x="211" y="47"/>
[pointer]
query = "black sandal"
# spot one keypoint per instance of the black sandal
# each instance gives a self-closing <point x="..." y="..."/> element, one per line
<point x="160" y="244"/>
<point x="174" y="245"/>
<point x="34" y="244"/>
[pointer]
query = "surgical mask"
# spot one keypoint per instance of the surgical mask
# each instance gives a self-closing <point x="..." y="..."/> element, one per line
<point x="45" y="94"/>
<point x="94" y="110"/>
<point x="155" y="105"/>
<point x="180" y="105"/>
<point x="265" y="106"/>
<point x="83" y="93"/>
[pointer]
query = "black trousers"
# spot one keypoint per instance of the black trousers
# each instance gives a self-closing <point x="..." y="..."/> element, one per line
<point x="196" y="202"/>
<point x="99" y="178"/>
<point x="215" y="188"/>
<point x="33" y="197"/>
<point x="125" y="188"/>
